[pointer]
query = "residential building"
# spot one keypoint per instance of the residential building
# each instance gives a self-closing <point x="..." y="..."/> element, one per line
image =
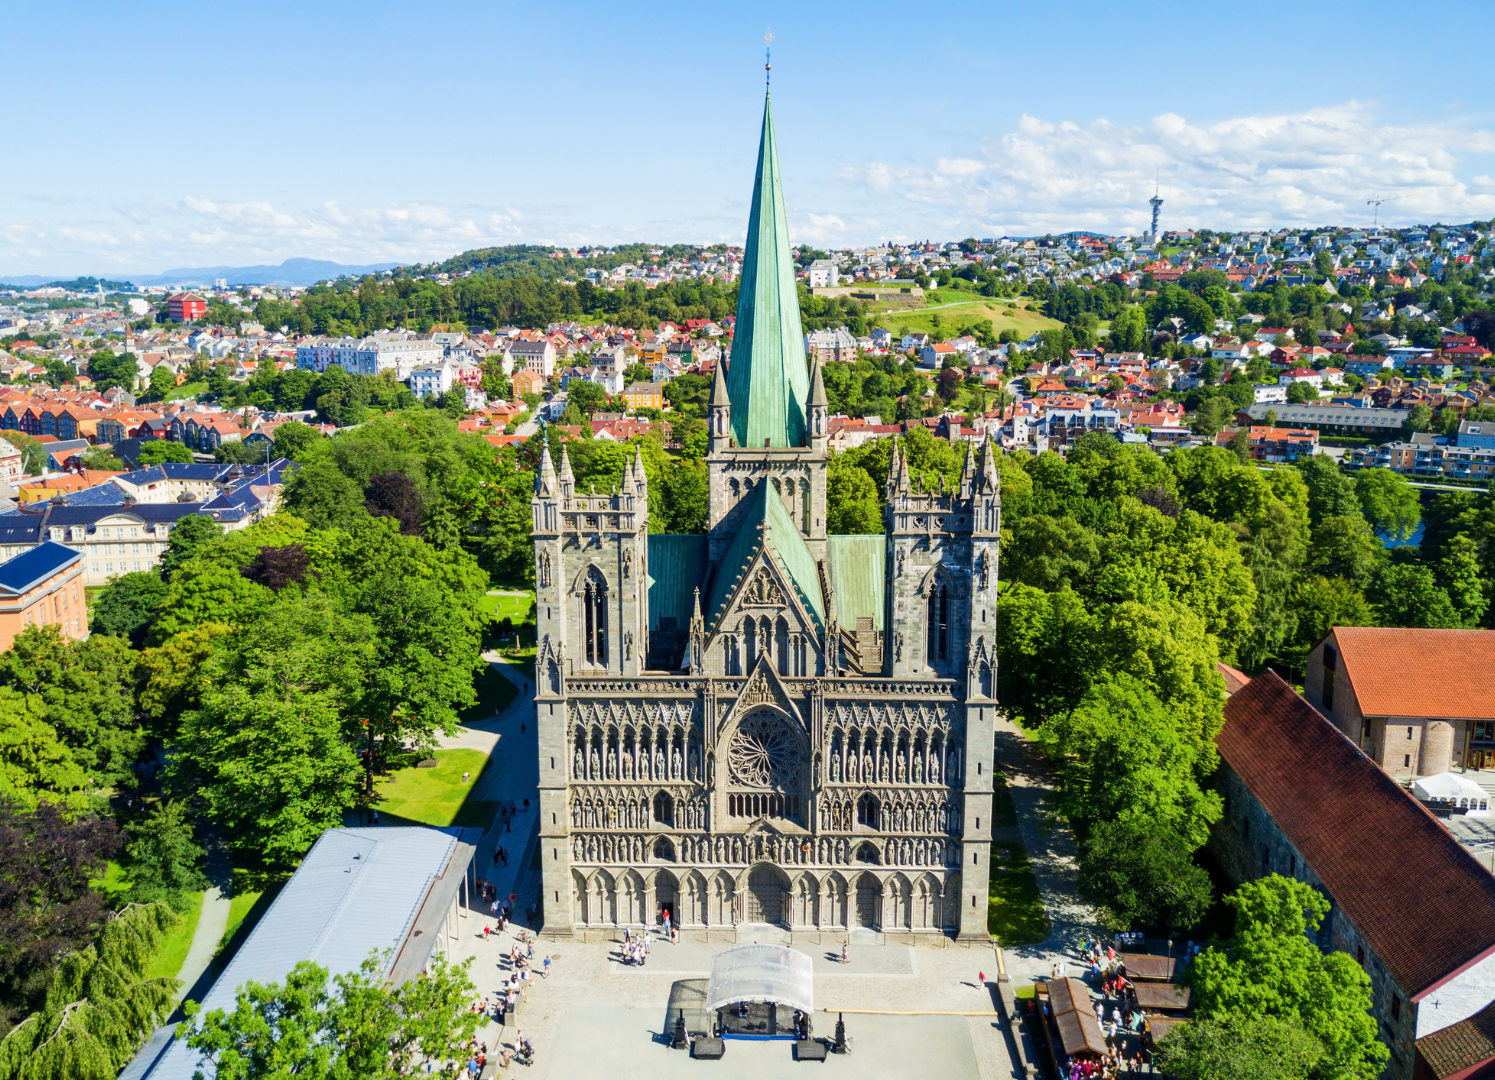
<point x="43" y="586"/>
<point x="1417" y="702"/>
<point x="398" y="351"/>
<point x="534" y="354"/>
<point x="1282" y="444"/>
<point x="1406" y="902"/>
<point x="186" y="307"/>
<point x="644" y="395"/>
<point x="430" y="381"/>
<point x="527" y="382"/>
<point x="1268" y="395"/>
<point x="1344" y="419"/>
<point x="935" y="355"/>
<point x="824" y="274"/>
<point x="1301" y="375"/>
<point x="831" y="345"/>
<point x="1477" y="434"/>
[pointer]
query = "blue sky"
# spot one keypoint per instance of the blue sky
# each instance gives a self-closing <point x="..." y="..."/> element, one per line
<point x="190" y="134"/>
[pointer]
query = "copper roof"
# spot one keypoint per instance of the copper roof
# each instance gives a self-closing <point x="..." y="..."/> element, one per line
<point x="1452" y="1050"/>
<point x="1079" y="1029"/>
<point x="1422" y="903"/>
<point x="1449" y="673"/>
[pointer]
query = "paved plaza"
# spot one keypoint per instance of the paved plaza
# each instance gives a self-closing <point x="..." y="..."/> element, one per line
<point x="596" y="1016"/>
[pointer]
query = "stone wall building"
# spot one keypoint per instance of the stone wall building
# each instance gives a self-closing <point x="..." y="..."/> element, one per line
<point x="1418" y="702"/>
<point x="766" y="723"/>
<point x="1407" y="902"/>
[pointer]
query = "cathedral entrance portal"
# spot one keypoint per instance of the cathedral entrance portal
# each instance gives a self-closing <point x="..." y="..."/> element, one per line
<point x="765" y="898"/>
<point x="665" y="902"/>
<point x="868" y="892"/>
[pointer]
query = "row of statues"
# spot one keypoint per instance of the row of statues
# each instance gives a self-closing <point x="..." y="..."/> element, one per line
<point x="618" y="849"/>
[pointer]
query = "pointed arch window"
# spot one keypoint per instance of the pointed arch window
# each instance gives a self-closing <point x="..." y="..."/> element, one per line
<point x="937" y="649"/>
<point x="594" y="618"/>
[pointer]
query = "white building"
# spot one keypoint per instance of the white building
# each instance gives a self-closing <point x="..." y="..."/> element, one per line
<point x="1269" y="394"/>
<point x="397" y="351"/>
<point x="431" y="380"/>
<point x="824" y="274"/>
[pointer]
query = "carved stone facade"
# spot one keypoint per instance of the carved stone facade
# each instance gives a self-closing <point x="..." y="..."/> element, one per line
<point x="815" y="750"/>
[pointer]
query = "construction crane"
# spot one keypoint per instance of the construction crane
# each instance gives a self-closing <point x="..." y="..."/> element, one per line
<point x="1376" y="222"/>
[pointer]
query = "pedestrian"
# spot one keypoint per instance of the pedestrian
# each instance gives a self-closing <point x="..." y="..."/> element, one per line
<point x="981" y="977"/>
<point x="547" y="967"/>
<point x="376" y="818"/>
<point x="495" y="856"/>
<point x="485" y="932"/>
<point x="844" y="958"/>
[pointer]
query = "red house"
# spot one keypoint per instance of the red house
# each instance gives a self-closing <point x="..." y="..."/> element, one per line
<point x="185" y="307"/>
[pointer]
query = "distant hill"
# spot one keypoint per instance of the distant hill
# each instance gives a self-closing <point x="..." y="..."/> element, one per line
<point x="290" y="272"/>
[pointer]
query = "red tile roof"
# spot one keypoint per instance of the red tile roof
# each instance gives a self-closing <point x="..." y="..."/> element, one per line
<point x="1451" y="1050"/>
<point x="1399" y="672"/>
<point x="1422" y="903"/>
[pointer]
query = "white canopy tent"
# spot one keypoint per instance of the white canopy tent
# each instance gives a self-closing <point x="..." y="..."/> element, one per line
<point x="761" y="973"/>
<point x="1453" y="791"/>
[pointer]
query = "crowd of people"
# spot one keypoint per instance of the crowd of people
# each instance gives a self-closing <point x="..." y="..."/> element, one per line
<point x="1123" y="1023"/>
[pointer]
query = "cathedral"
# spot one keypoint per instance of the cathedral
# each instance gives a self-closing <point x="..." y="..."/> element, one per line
<point x="766" y="723"/>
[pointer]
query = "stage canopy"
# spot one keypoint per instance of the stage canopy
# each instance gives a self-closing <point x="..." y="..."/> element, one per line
<point x="768" y="973"/>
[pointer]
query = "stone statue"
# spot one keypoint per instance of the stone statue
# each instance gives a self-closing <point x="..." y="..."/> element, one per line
<point x="596" y="773"/>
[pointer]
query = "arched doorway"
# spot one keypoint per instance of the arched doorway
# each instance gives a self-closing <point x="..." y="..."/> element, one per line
<point x="765" y="896"/>
<point x="666" y="898"/>
<point x="869" y="892"/>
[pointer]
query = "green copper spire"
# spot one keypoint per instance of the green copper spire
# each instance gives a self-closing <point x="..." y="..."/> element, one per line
<point x="768" y="382"/>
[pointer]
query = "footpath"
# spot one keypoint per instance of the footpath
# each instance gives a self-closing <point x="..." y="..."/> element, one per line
<point x="1051" y="851"/>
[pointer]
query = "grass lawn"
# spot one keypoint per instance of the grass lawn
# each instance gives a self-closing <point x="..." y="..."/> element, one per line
<point x="187" y="390"/>
<point x="436" y="796"/>
<point x="502" y="605"/>
<point x="1014" y="913"/>
<point x="957" y="309"/>
<point x="173" y="951"/>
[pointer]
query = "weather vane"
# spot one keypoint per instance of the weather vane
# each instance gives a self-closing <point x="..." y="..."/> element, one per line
<point x="768" y="55"/>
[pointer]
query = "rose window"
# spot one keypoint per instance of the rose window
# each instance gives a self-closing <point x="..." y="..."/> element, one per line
<point x="764" y="754"/>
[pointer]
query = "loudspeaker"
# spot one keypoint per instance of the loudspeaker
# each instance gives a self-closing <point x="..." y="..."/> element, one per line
<point x="809" y="1050"/>
<point x="708" y="1049"/>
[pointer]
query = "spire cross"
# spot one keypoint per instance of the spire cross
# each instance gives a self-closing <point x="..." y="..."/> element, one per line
<point x="767" y="57"/>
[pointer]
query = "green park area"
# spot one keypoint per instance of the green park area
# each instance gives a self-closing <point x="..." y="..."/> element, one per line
<point x="949" y="310"/>
<point x="173" y="949"/>
<point x="442" y="795"/>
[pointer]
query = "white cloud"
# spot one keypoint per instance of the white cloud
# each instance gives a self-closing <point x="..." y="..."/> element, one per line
<point x="1310" y="168"/>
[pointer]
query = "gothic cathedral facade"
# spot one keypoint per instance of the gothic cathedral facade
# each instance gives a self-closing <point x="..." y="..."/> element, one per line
<point x="767" y="723"/>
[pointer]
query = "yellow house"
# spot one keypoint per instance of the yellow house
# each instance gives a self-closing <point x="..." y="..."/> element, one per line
<point x="645" y="395"/>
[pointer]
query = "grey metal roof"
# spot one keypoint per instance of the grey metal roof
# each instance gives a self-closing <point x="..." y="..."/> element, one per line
<point x="357" y="891"/>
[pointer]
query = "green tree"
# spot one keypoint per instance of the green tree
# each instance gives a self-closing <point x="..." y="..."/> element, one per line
<point x="293" y="438"/>
<point x="1330" y="492"/>
<point x="1051" y="553"/>
<point x="206" y="592"/>
<point x="1240" y="1047"/>
<point x="1300" y="393"/>
<point x="162" y="383"/>
<point x="1044" y="651"/>
<point x="165" y="857"/>
<point x="1407" y="594"/>
<point x="1346" y="547"/>
<point x="1140" y="875"/>
<point x="1211" y="416"/>
<point x="1271" y="968"/>
<point x="101" y="457"/>
<point x="127" y="604"/>
<point x="35" y="765"/>
<point x="852" y="502"/>
<point x="1120" y="754"/>
<point x="322" y="494"/>
<point x="1459" y="573"/>
<point x="161" y="451"/>
<point x="361" y="1028"/>
<point x="1389" y="503"/>
<point x="86" y="691"/>
<point x="1319" y="604"/>
<point x="1419" y="418"/>
<point x="174" y="673"/>
<point x="187" y="536"/>
<point x="268" y="751"/>
<point x="100" y="1007"/>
